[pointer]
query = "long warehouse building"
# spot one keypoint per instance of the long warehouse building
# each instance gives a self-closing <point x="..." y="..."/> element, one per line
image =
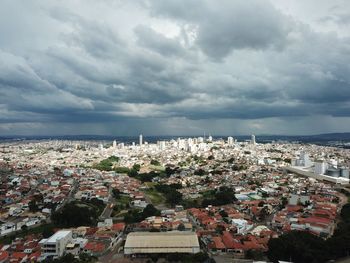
<point x="161" y="242"/>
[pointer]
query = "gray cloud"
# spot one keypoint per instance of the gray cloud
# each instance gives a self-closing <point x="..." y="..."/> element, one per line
<point x="170" y="66"/>
<point x="230" y="25"/>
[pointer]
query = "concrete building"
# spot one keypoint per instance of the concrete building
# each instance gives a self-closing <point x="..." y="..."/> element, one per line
<point x="140" y="140"/>
<point x="230" y="141"/>
<point x="344" y="172"/>
<point x="55" y="245"/>
<point x="320" y="167"/>
<point x="253" y="139"/>
<point x="333" y="172"/>
<point x="161" y="242"/>
<point x="162" y="145"/>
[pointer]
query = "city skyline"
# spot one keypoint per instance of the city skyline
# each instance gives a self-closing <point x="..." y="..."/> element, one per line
<point x="174" y="67"/>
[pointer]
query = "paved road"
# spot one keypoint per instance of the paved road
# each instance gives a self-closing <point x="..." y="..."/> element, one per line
<point x="70" y="196"/>
<point x="109" y="206"/>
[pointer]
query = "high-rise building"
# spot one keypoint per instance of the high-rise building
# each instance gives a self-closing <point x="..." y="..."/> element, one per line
<point x="230" y="140"/>
<point x="253" y="139"/>
<point x="305" y="160"/>
<point x="210" y="138"/>
<point x="320" y="167"/>
<point x="114" y="144"/>
<point x="162" y="145"/>
<point x="140" y="139"/>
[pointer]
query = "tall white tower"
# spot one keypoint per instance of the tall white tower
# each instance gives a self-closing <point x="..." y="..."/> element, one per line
<point x="253" y="139"/>
<point x="140" y="139"/>
<point x="230" y="140"/>
<point x="114" y="144"/>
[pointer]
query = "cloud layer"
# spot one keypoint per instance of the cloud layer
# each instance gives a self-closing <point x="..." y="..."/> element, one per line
<point x="174" y="67"/>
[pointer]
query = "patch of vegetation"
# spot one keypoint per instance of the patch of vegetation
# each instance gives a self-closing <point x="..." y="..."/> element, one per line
<point x="156" y="197"/>
<point x="200" y="172"/>
<point x="145" y="177"/>
<point x="155" y="163"/>
<point x="224" y="195"/>
<point x="172" y="196"/>
<point x="122" y="170"/>
<point x="170" y="171"/>
<point x="302" y="247"/>
<point x="106" y="164"/>
<point x="237" y="167"/>
<point x="190" y="203"/>
<point x="299" y="247"/>
<point x="76" y="214"/>
<point x="122" y="203"/>
<point x="135" y="215"/>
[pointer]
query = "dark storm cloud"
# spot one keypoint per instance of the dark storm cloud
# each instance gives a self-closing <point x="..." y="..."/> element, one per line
<point x="230" y="24"/>
<point x="167" y="63"/>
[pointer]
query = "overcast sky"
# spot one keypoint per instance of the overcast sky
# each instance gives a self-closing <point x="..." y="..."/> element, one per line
<point x="174" y="67"/>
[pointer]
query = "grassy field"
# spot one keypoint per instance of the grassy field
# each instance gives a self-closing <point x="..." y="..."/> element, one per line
<point x="121" y="204"/>
<point x="156" y="197"/>
<point x="157" y="168"/>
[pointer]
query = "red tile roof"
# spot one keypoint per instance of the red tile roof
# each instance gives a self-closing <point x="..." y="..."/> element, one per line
<point x="95" y="246"/>
<point x="218" y="244"/>
<point x="118" y="226"/>
<point x="4" y="255"/>
<point x="229" y="241"/>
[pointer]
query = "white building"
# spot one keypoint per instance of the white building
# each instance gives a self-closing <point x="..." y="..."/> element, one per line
<point x="241" y="225"/>
<point x="304" y="157"/>
<point x="230" y="141"/>
<point x="303" y="160"/>
<point x="320" y="167"/>
<point x="55" y="245"/>
<point x="140" y="139"/>
<point x="162" y="145"/>
<point x="252" y="141"/>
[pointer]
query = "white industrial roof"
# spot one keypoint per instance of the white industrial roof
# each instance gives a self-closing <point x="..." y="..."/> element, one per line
<point x="161" y="242"/>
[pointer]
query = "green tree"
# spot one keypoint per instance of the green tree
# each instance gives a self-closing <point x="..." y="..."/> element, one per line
<point x="33" y="207"/>
<point x="155" y="162"/>
<point x="181" y="227"/>
<point x="150" y="210"/>
<point x="116" y="193"/>
<point x="298" y="247"/>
